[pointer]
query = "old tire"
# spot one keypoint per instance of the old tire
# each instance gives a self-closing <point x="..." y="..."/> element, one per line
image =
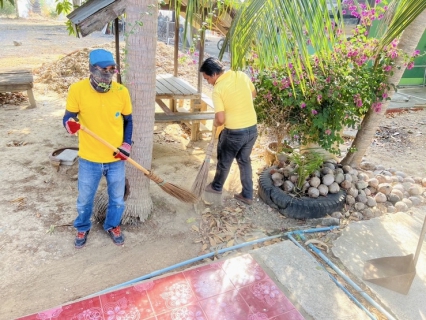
<point x="298" y="208"/>
<point x="265" y="188"/>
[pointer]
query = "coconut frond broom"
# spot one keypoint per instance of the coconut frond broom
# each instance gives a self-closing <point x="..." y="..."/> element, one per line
<point x="173" y="190"/>
<point x="200" y="181"/>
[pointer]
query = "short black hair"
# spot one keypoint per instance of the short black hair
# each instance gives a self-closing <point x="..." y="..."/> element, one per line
<point x="212" y="66"/>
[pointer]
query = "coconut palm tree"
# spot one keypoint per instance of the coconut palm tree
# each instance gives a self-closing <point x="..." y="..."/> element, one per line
<point x="140" y="78"/>
<point x="277" y="28"/>
<point x="141" y="44"/>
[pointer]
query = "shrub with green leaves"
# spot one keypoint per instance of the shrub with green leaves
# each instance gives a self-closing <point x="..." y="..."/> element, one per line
<point x="306" y="164"/>
<point x="345" y="86"/>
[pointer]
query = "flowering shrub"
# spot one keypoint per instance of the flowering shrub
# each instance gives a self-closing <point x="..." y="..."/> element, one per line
<point x="190" y="57"/>
<point x="345" y="85"/>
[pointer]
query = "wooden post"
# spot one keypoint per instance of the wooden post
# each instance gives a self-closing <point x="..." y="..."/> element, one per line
<point x="31" y="98"/>
<point x="117" y="48"/>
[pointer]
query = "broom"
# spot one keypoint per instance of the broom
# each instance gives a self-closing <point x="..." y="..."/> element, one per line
<point x="201" y="180"/>
<point x="173" y="190"/>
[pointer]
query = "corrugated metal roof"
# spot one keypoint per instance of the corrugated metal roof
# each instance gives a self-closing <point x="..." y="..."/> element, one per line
<point x="88" y="9"/>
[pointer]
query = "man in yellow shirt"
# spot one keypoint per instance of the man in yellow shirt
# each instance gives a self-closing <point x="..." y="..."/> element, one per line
<point x="104" y="107"/>
<point x="232" y="97"/>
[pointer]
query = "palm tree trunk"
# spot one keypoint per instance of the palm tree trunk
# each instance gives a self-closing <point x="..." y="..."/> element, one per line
<point x="139" y="78"/>
<point x="408" y="42"/>
<point x="141" y="45"/>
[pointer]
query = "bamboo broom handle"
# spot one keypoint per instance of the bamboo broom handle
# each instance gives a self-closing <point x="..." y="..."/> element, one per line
<point x="115" y="149"/>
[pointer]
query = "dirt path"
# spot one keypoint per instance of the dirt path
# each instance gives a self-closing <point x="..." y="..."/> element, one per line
<point x="40" y="267"/>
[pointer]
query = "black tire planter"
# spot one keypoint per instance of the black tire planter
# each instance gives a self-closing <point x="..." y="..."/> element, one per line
<point x="298" y="208"/>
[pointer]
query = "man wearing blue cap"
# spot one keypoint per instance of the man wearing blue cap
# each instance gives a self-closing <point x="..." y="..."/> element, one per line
<point x="105" y="108"/>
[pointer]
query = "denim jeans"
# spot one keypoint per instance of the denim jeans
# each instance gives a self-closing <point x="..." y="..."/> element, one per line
<point x="235" y="144"/>
<point x="89" y="176"/>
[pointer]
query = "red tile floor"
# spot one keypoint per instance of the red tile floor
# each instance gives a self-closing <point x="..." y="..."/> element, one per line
<point x="232" y="289"/>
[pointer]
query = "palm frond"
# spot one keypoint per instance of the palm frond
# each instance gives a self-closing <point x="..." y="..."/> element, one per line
<point x="405" y="13"/>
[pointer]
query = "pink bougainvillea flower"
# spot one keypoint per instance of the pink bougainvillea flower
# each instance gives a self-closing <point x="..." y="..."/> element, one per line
<point x="303" y="105"/>
<point x="328" y="132"/>
<point x="314" y="112"/>
<point x="410" y="65"/>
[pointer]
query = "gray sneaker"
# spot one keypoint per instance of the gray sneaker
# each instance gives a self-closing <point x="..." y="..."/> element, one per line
<point x="80" y="239"/>
<point x="116" y="235"/>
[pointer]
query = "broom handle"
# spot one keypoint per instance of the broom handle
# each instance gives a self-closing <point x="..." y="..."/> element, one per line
<point x="419" y="245"/>
<point x="213" y="133"/>
<point x="115" y="149"/>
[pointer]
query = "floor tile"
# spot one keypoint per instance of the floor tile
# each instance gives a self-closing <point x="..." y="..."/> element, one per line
<point x="233" y="289"/>
<point x="126" y="303"/>
<point x="226" y="306"/>
<point x="189" y="312"/>
<point x="85" y="309"/>
<point x="170" y="293"/>
<point x="208" y="280"/>
<point x="243" y="270"/>
<point x="291" y="315"/>
<point x="264" y="297"/>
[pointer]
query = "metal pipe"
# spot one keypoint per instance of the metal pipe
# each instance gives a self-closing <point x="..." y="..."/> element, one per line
<point x="184" y="263"/>
<point x="350" y="295"/>
<point x="290" y="236"/>
<point x="346" y="278"/>
<point x="204" y="256"/>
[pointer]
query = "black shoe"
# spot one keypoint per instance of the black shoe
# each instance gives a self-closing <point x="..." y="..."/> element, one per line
<point x="80" y="239"/>
<point x="116" y="236"/>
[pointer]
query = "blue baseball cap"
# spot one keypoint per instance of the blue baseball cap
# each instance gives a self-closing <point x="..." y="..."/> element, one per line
<point x="101" y="58"/>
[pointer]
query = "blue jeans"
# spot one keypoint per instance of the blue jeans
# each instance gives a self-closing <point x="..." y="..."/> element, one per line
<point x="89" y="176"/>
<point x="235" y="144"/>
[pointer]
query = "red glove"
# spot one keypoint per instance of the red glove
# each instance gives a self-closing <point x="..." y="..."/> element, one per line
<point x="72" y="126"/>
<point x="124" y="151"/>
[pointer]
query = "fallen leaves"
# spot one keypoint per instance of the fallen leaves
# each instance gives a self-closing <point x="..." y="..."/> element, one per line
<point x="222" y="229"/>
<point x="15" y="98"/>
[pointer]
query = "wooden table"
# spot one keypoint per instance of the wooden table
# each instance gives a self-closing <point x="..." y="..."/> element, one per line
<point x="16" y="81"/>
<point x="171" y="89"/>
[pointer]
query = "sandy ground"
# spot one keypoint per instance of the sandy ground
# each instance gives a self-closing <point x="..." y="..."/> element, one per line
<point x="39" y="266"/>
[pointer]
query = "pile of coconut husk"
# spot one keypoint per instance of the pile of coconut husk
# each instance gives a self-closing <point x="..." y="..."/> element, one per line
<point x="60" y="74"/>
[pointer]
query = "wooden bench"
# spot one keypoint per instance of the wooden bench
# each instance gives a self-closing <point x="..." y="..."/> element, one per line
<point x="194" y="112"/>
<point x="193" y="119"/>
<point x="17" y="81"/>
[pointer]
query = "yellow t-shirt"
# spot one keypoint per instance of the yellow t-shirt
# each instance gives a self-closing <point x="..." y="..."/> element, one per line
<point x="102" y="114"/>
<point x="232" y="93"/>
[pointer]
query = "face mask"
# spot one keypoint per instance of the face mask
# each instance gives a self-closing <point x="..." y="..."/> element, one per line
<point x="101" y="79"/>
